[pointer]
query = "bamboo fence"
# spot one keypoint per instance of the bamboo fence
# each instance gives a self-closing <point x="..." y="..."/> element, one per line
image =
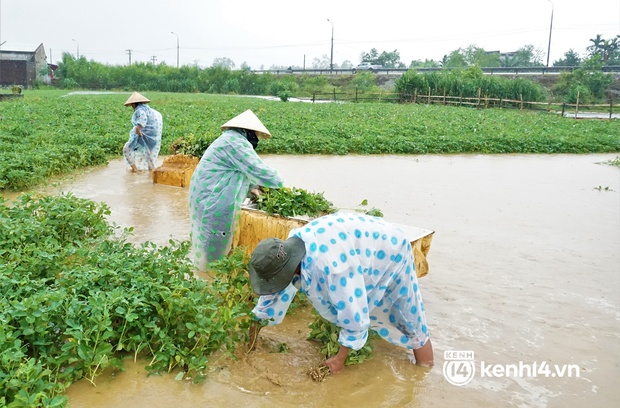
<point x="576" y="110"/>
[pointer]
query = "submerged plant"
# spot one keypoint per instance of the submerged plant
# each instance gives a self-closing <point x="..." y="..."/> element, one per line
<point x="327" y="333"/>
<point x="614" y="162"/>
<point x="375" y="212"/>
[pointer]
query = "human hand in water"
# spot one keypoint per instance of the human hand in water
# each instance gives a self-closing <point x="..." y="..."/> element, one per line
<point x="336" y="362"/>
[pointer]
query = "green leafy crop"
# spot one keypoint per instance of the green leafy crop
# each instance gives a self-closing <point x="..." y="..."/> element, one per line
<point x="293" y="202"/>
<point x="327" y="334"/>
<point x="77" y="298"/>
<point x="47" y="133"/>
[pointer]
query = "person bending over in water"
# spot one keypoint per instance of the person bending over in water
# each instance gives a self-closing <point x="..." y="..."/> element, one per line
<point x="356" y="270"/>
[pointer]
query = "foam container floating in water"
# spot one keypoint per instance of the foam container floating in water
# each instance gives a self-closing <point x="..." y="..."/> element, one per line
<point x="176" y="170"/>
<point x="255" y="225"/>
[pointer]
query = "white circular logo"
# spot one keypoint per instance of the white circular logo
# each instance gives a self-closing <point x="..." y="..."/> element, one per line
<point x="459" y="367"/>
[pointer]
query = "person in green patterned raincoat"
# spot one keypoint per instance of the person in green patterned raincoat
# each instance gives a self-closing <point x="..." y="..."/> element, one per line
<point x="227" y="171"/>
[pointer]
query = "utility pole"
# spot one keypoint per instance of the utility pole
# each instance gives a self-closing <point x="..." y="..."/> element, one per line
<point x="172" y="32"/>
<point x="331" y="59"/>
<point x="129" y="53"/>
<point x="550" y="28"/>
<point x="154" y="58"/>
<point x="78" y="47"/>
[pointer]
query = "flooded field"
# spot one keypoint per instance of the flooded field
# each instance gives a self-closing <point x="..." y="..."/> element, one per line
<point x="524" y="272"/>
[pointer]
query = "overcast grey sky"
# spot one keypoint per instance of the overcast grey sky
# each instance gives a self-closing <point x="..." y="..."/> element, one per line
<point x="287" y="32"/>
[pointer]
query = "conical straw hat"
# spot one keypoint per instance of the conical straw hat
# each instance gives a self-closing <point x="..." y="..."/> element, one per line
<point x="248" y="120"/>
<point x="136" y="98"/>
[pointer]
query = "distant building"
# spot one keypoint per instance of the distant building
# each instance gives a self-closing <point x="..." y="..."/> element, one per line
<point x="24" y="67"/>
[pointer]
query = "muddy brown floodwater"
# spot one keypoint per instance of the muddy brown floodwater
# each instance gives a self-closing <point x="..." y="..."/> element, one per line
<point x="524" y="273"/>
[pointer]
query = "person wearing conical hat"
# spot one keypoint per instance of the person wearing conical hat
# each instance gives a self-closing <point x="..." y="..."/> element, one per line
<point x="227" y="171"/>
<point x="142" y="148"/>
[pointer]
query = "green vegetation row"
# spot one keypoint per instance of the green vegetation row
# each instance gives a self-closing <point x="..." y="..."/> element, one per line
<point x="82" y="74"/>
<point x="49" y="133"/>
<point x="77" y="299"/>
<point x="470" y="83"/>
<point x="587" y="84"/>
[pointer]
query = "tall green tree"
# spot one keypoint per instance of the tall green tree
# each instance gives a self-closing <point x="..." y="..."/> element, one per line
<point x="424" y="64"/>
<point x="526" y="56"/>
<point x="588" y="83"/>
<point x="390" y="59"/>
<point x="571" y="59"/>
<point x="472" y="56"/>
<point x="607" y="49"/>
<point x="476" y="56"/>
<point x="372" y="56"/>
<point x="456" y="59"/>
<point x="223" y="62"/>
<point x="385" y="59"/>
<point x="322" y="63"/>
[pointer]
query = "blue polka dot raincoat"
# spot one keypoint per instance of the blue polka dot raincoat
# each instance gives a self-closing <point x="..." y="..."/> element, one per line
<point x="226" y="172"/>
<point x="358" y="273"/>
<point x="143" y="150"/>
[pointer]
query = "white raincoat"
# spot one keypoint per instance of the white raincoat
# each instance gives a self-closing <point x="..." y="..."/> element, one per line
<point x="143" y="150"/>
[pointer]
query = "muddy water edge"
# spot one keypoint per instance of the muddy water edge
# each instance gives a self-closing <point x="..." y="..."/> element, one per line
<point x="524" y="269"/>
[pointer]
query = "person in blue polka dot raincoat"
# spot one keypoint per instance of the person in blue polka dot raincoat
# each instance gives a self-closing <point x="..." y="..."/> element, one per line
<point x="356" y="270"/>
<point x="226" y="173"/>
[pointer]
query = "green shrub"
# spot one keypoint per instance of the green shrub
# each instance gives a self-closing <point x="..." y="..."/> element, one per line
<point x="467" y="83"/>
<point x="588" y="79"/>
<point x="77" y="299"/>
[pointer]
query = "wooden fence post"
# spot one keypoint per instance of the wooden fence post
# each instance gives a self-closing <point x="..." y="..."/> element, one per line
<point x="478" y="103"/>
<point x="429" y="95"/>
<point x="521" y="105"/>
<point x="313" y="96"/>
<point x="415" y="95"/>
<point x="577" y="106"/>
<point x="356" y="94"/>
<point x="611" y="107"/>
<point x="334" y="93"/>
<point x="563" y="108"/>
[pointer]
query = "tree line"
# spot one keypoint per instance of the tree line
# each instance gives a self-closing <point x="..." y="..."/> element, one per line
<point x="527" y="56"/>
<point x="463" y="78"/>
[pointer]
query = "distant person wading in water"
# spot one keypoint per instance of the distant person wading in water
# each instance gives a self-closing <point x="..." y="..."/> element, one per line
<point x="144" y="142"/>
